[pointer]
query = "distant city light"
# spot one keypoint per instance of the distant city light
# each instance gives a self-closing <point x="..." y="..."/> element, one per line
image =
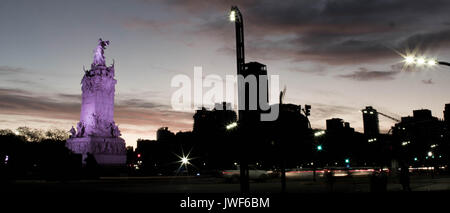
<point x="347" y="160"/>
<point x="319" y="133"/>
<point x="415" y="159"/>
<point x="231" y="126"/>
<point x="139" y="155"/>
<point x="404" y="143"/>
<point x="319" y="148"/>
<point x="430" y="154"/>
<point x="371" y="140"/>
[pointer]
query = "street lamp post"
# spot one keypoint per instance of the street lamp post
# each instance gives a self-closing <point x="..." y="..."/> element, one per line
<point x="236" y="17"/>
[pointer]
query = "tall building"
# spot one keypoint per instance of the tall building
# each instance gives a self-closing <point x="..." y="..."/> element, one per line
<point x="213" y="121"/>
<point x="337" y="125"/>
<point x="164" y="134"/>
<point x="371" y="123"/>
<point x="422" y="114"/>
<point x="420" y="134"/>
<point x="447" y="116"/>
<point x="251" y="92"/>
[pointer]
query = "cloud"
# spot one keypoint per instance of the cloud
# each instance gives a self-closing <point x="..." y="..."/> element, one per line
<point x="428" y="40"/>
<point x="140" y="103"/>
<point x="335" y="32"/>
<point x="365" y="75"/>
<point x="69" y="97"/>
<point x="9" y="69"/>
<point x="320" y="112"/>
<point x="137" y="23"/>
<point x="429" y="81"/>
<point x="130" y="112"/>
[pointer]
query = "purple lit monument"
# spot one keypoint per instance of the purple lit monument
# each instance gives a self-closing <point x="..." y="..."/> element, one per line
<point x="97" y="133"/>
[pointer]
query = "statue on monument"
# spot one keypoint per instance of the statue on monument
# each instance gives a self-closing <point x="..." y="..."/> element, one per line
<point x="80" y="129"/>
<point x="114" y="129"/>
<point x="99" y="58"/>
<point x="73" y="132"/>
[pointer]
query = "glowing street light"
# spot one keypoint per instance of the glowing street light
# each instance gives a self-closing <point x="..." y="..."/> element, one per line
<point x="184" y="160"/>
<point x="233" y="16"/>
<point x="431" y="63"/>
<point x="422" y="61"/>
<point x="409" y="59"/>
<point x="430" y="154"/>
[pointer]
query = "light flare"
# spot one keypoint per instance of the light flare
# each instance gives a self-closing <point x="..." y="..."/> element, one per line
<point x="409" y="59"/>
<point x="421" y="61"/>
<point x="431" y="62"/>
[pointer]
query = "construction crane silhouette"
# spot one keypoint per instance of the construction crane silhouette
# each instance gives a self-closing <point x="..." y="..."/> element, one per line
<point x="390" y="117"/>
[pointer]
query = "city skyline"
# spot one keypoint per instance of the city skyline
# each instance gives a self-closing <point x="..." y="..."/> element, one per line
<point x="337" y="63"/>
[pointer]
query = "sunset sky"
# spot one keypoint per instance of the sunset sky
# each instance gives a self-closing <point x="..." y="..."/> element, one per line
<point x="338" y="56"/>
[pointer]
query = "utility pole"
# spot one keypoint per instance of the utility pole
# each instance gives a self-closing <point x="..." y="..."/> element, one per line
<point x="236" y="17"/>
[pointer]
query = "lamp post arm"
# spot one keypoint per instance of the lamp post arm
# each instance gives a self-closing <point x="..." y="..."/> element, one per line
<point x="443" y="63"/>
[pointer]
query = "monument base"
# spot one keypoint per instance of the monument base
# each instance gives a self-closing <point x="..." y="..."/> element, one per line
<point x="107" y="151"/>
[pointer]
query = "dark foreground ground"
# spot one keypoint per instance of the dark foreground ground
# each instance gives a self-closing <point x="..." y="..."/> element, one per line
<point x="151" y="193"/>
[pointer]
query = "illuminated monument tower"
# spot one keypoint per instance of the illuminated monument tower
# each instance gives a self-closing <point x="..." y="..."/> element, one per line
<point x="97" y="132"/>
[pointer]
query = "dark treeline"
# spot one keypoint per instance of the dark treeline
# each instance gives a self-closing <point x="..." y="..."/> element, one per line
<point x="33" y="153"/>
